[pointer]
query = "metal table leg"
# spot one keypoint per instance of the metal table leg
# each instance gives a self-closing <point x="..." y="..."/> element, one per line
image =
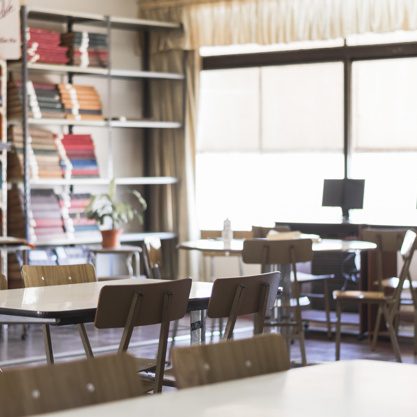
<point x="198" y="326"/>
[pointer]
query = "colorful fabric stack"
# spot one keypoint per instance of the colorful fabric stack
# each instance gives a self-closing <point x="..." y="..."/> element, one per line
<point x="81" y="225"/>
<point x="81" y="154"/>
<point x="86" y="49"/>
<point x="44" y="158"/>
<point x="81" y="102"/>
<point x="44" y="47"/>
<point x="43" y="100"/>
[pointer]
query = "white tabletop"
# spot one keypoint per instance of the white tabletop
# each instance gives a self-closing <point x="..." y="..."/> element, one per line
<point x="348" y="389"/>
<point x="62" y="300"/>
<point x="236" y="246"/>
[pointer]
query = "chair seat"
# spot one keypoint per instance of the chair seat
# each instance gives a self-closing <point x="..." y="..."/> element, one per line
<point x="304" y="277"/>
<point x="359" y="295"/>
<point x="393" y="283"/>
<point x="145" y="364"/>
<point x="304" y="302"/>
<point x="114" y="277"/>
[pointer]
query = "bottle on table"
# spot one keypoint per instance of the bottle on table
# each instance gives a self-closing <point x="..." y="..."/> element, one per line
<point x="227" y="233"/>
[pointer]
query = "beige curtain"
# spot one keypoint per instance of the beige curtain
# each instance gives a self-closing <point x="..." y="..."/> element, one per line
<point x="214" y="22"/>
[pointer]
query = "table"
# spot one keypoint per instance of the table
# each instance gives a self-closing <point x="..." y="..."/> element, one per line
<point x="236" y="246"/>
<point x="77" y="303"/>
<point x="352" y="388"/>
<point x="324" y="246"/>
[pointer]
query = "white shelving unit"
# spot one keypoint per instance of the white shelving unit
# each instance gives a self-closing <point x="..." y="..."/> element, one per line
<point x="145" y="121"/>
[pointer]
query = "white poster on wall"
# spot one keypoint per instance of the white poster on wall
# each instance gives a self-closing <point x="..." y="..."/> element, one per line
<point x="9" y="29"/>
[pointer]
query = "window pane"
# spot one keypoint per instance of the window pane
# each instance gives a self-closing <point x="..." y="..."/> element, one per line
<point x="277" y="187"/>
<point x="229" y="110"/>
<point x="302" y="107"/>
<point x="385" y="104"/>
<point x="390" y="188"/>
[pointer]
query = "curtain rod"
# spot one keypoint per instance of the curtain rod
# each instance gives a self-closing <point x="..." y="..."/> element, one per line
<point x="161" y="4"/>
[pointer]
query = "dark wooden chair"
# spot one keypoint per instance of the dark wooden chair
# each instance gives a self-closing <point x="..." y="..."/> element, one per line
<point x="388" y="305"/>
<point x="129" y="306"/>
<point x="228" y="360"/>
<point x="234" y="297"/>
<point x="51" y="388"/>
<point x="270" y="253"/>
<point x="152" y="257"/>
<point x="41" y="276"/>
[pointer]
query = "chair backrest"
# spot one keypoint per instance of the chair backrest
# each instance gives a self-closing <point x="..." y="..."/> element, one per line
<point x="228" y="360"/>
<point x="216" y="234"/>
<point x="407" y="250"/>
<point x="148" y="304"/>
<point x="41" y="276"/>
<point x="50" y="388"/>
<point x="388" y="240"/>
<point x="234" y="297"/>
<point x="3" y="282"/>
<point x="152" y="257"/>
<point x="272" y="252"/>
<point x="261" y="231"/>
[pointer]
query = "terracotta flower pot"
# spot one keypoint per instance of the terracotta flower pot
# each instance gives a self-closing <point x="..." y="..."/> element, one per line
<point x="111" y="238"/>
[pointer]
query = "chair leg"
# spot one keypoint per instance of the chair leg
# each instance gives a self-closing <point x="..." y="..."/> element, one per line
<point x="302" y="346"/>
<point x="327" y="309"/>
<point x="376" y="329"/>
<point x="48" y="344"/>
<point x="391" y="331"/>
<point x="85" y="340"/>
<point x="338" y="327"/>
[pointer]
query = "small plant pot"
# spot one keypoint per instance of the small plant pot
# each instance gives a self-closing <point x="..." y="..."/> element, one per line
<point x="111" y="238"/>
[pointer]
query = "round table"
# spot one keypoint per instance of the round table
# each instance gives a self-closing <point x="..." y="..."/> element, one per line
<point x="236" y="246"/>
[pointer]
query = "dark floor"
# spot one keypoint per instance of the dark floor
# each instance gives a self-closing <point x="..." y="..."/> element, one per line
<point x="67" y="345"/>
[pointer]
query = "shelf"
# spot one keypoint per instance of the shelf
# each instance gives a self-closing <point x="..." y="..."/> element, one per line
<point x="94" y="238"/>
<point x="103" y="181"/>
<point x="134" y="124"/>
<point x="100" y="20"/>
<point x="99" y="72"/>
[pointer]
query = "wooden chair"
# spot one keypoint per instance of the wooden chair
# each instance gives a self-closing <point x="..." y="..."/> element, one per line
<point x="41" y="276"/>
<point x="388" y="305"/>
<point x="3" y="282"/>
<point x="228" y="360"/>
<point x="152" y="257"/>
<point x="129" y="306"/>
<point x="211" y="256"/>
<point x="51" y="388"/>
<point x="284" y="252"/>
<point x="262" y="231"/>
<point x="234" y="297"/>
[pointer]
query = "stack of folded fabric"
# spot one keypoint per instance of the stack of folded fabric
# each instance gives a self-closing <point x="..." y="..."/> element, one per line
<point x="81" y="102"/>
<point x="43" y="99"/>
<point x="44" y="46"/>
<point x="86" y="49"/>
<point x="44" y="158"/>
<point x="76" y="210"/>
<point x="80" y="152"/>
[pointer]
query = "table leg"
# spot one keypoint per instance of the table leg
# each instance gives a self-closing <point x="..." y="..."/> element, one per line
<point x="198" y="326"/>
<point x="48" y="344"/>
<point x="137" y="264"/>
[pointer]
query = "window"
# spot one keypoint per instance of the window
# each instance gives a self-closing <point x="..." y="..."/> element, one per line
<point x="385" y="137"/>
<point x="267" y="139"/>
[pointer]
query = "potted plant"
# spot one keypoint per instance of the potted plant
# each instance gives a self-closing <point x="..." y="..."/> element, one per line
<point x="111" y="215"/>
